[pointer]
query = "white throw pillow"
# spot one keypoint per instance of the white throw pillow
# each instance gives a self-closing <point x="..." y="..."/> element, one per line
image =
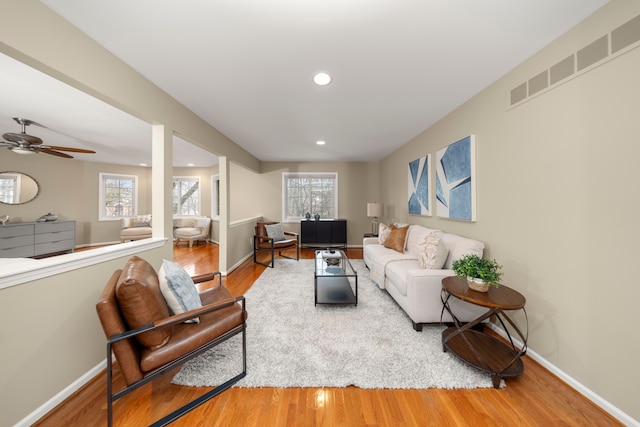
<point x="178" y="289"/>
<point x="275" y="232"/>
<point x="433" y="252"/>
<point x="383" y="233"/>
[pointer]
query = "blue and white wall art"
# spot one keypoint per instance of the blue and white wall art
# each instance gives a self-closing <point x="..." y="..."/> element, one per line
<point x="456" y="180"/>
<point x="419" y="186"/>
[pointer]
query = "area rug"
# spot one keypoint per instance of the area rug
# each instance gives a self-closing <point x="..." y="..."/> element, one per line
<point x="292" y="343"/>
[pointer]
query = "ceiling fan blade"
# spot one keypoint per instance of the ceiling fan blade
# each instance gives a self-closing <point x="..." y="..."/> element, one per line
<point x="74" y="150"/>
<point x="22" y="138"/>
<point x="55" y="153"/>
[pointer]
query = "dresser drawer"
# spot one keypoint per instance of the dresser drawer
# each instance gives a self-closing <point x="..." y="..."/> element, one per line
<point x="16" y="241"/>
<point x="35" y="239"/>
<point x="17" y="252"/>
<point x="52" y="247"/>
<point x="49" y="227"/>
<point x="54" y="236"/>
<point x="16" y="230"/>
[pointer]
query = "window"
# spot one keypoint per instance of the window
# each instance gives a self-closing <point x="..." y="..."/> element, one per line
<point x="215" y="196"/>
<point x="118" y="196"/>
<point x="186" y="195"/>
<point x="316" y="193"/>
<point x="9" y="188"/>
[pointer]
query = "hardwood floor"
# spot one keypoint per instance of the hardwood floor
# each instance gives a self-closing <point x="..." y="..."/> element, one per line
<point x="536" y="398"/>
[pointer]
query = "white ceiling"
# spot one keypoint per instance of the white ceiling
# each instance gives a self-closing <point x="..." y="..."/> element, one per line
<point x="246" y="67"/>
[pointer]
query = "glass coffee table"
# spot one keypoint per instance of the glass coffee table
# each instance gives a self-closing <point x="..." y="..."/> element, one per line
<point x="335" y="281"/>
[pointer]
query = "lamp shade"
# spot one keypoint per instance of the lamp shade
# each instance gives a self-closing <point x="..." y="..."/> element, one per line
<point x="374" y="209"/>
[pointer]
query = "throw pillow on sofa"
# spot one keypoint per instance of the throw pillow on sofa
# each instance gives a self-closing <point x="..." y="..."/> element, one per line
<point x="397" y="238"/>
<point x="383" y="233"/>
<point x="433" y="252"/>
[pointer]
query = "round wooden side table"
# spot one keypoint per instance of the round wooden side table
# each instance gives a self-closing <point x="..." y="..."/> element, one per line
<point x="477" y="348"/>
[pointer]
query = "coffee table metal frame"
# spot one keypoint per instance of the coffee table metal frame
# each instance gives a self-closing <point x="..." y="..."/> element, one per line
<point x="477" y="348"/>
<point x="335" y="280"/>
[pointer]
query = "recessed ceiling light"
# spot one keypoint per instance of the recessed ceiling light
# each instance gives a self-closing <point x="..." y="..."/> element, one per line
<point x="189" y="164"/>
<point x="322" y="79"/>
<point x="143" y="164"/>
<point x="320" y="142"/>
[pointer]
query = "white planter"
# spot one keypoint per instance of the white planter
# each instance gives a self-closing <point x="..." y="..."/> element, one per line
<point x="477" y="284"/>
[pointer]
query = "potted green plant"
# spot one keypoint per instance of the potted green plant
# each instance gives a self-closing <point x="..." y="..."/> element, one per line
<point x="479" y="272"/>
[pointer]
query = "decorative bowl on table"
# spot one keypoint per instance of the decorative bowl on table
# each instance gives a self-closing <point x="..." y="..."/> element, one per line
<point x="332" y="261"/>
<point x="47" y="217"/>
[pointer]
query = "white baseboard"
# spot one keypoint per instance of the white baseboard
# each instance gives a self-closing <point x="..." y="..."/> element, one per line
<point x="56" y="400"/>
<point x="237" y="264"/>
<point x="572" y="382"/>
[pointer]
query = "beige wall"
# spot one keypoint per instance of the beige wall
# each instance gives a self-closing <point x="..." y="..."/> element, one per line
<point x="254" y="196"/>
<point x="557" y="204"/>
<point x="357" y="185"/>
<point x="69" y="189"/>
<point x="38" y="312"/>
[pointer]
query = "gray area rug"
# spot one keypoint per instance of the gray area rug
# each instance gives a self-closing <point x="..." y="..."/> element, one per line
<point x="292" y="343"/>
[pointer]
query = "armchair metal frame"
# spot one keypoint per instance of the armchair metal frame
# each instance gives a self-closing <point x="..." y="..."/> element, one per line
<point x="173" y="320"/>
<point x="273" y="245"/>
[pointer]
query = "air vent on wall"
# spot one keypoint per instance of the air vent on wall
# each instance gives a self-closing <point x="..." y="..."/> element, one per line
<point x="604" y="48"/>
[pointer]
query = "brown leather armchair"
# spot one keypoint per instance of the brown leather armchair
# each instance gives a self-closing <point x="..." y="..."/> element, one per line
<point x="147" y="341"/>
<point x="263" y="243"/>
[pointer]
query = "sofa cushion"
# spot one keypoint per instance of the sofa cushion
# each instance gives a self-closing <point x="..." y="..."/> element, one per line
<point x="397" y="238"/>
<point x="397" y="271"/>
<point x="459" y="246"/>
<point x="141" y="302"/>
<point x="135" y="232"/>
<point x="187" y="232"/>
<point x="178" y="289"/>
<point x="275" y="231"/>
<point x="433" y="252"/>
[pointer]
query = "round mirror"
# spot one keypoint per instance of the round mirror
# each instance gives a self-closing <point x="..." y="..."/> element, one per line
<point x="17" y="188"/>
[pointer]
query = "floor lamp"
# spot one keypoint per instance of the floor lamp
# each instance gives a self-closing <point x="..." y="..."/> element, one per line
<point x="374" y="210"/>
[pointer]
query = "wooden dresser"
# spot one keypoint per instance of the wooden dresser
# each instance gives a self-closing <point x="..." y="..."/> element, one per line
<point x="37" y="239"/>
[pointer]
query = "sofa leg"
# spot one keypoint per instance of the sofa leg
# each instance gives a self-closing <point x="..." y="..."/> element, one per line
<point x="417" y="326"/>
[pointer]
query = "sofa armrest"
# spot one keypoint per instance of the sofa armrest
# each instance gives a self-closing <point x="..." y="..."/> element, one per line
<point x="370" y="241"/>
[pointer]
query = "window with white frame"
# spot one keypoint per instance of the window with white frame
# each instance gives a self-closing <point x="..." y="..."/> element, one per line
<point x="315" y="193"/>
<point x="215" y="196"/>
<point x="186" y="195"/>
<point x="9" y="188"/>
<point x="118" y="196"/>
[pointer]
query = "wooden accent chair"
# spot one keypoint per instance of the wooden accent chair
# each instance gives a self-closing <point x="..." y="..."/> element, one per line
<point x="263" y="243"/>
<point x="147" y="341"/>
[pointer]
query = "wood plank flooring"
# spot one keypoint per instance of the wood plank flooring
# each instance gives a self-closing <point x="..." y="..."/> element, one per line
<point x="536" y="398"/>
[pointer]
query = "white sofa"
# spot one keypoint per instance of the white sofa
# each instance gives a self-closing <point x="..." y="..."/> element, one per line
<point x="135" y="228"/>
<point x="418" y="290"/>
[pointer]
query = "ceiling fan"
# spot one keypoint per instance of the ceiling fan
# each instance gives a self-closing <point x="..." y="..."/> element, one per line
<point x="22" y="143"/>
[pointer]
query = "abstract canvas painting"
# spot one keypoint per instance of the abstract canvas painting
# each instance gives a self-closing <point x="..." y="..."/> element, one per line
<point x="455" y="180"/>
<point x="419" y="191"/>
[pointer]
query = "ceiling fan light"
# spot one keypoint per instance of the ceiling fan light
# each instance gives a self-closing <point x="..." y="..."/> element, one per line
<point x="22" y="150"/>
